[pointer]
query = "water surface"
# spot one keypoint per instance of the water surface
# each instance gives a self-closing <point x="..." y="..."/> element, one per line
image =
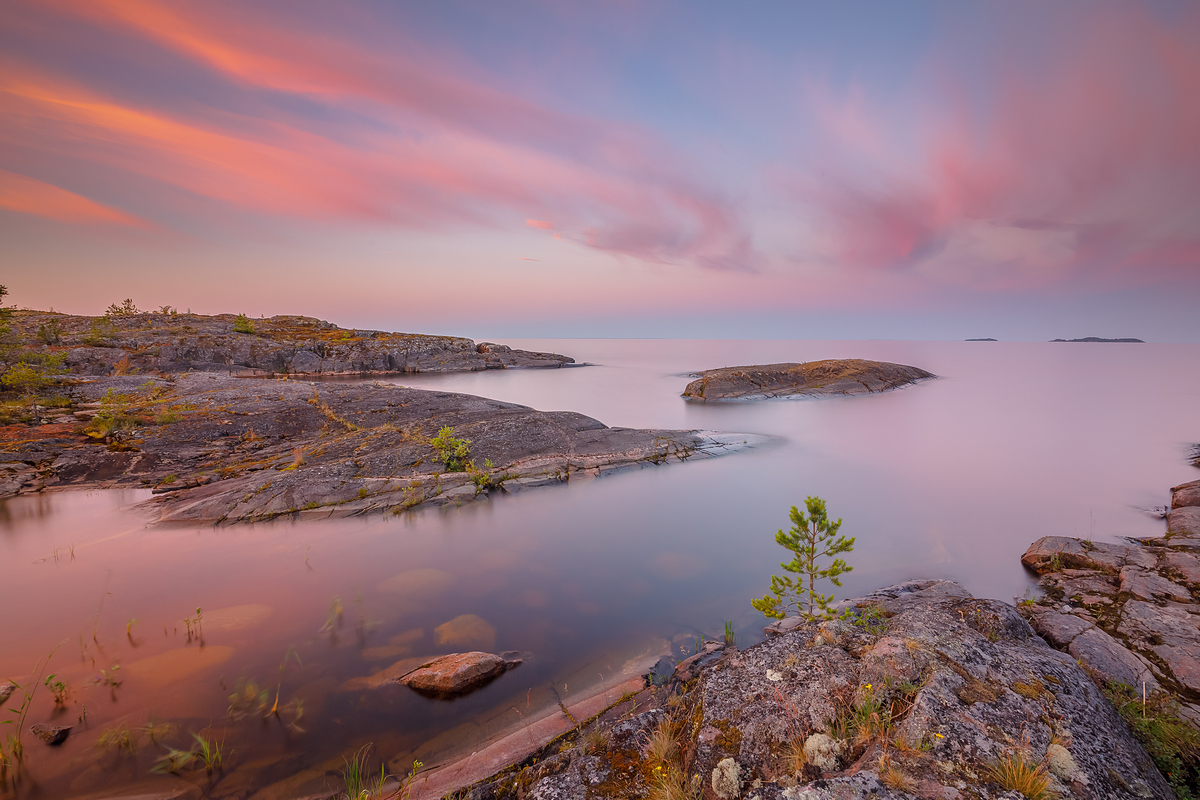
<point x="950" y="478"/>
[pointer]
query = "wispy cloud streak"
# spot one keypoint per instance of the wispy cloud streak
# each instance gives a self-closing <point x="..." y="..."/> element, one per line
<point x="414" y="144"/>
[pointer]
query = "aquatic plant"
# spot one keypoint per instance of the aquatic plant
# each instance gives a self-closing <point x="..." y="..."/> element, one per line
<point x="58" y="689"/>
<point x="359" y="785"/>
<point x="208" y="752"/>
<point x="810" y="539"/>
<point x="118" y="737"/>
<point x="730" y="636"/>
<point x="174" y="761"/>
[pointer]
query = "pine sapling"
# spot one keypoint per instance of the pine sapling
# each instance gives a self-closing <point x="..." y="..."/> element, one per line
<point x="811" y="538"/>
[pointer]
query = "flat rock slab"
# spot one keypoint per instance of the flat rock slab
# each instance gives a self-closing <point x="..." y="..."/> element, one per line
<point x="1056" y="553"/>
<point x="1185" y="494"/>
<point x="1184" y="522"/>
<point x="811" y="379"/>
<point x="249" y="449"/>
<point x="455" y="674"/>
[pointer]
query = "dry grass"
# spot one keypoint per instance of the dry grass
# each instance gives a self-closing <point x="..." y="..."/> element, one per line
<point x="894" y="777"/>
<point x="794" y="757"/>
<point x="1016" y="771"/>
<point x="661" y="746"/>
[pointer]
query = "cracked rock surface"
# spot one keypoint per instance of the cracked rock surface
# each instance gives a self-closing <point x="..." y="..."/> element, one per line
<point x="918" y="694"/>
<point x="1128" y="610"/>
<point x="217" y="448"/>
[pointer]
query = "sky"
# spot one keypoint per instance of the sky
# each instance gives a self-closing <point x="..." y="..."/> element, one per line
<point x="561" y="168"/>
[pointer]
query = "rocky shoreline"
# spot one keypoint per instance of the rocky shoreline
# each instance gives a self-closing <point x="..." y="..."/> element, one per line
<point x="237" y="345"/>
<point x="920" y="691"/>
<point x="222" y="449"/>
<point x="810" y="379"/>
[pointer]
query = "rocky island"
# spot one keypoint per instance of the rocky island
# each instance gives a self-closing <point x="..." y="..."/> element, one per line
<point x="184" y="404"/>
<point x="170" y="341"/>
<point x="809" y="379"/>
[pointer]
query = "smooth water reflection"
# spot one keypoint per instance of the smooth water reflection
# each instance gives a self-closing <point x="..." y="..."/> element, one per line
<point x="950" y="478"/>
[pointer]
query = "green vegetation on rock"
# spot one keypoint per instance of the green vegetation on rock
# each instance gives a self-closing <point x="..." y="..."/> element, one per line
<point x="811" y="538"/>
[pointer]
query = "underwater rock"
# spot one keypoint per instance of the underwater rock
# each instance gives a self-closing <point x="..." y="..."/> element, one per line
<point x="51" y="734"/>
<point x="455" y="674"/>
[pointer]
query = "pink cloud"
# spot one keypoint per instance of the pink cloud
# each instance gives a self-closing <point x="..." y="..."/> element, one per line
<point x="539" y="223"/>
<point x="27" y="195"/>
<point x="417" y="143"/>
<point x="1085" y="166"/>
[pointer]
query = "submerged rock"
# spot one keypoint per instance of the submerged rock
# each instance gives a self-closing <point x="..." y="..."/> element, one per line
<point x="51" y="734"/>
<point x="811" y="379"/>
<point x="456" y="674"/>
<point x="6" y="690"/>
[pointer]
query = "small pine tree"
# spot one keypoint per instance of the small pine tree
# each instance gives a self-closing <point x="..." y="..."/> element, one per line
<point x="242" y="324"/>
<point x="811" y="537"/>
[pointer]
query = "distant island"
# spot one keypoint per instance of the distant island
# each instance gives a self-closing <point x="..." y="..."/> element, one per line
<point x="981" y="340"/>
<point x="1098" y="339"/>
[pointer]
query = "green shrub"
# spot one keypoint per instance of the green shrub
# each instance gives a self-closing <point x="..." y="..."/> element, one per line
<point x="50" y="332"/>
<point x="455" y="453"/>
<point x="1172" y="741"/>
<point x="123" y="309"/>
<point x="810" y="538"/>
<point x="242" y="324"/>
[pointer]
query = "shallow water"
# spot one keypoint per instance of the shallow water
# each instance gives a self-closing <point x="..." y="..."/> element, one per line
<point x="950" y="478"/>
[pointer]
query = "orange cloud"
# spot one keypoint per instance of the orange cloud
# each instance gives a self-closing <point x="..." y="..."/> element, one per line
<point x="538" y="223"/>
<point x="30" y="196"/>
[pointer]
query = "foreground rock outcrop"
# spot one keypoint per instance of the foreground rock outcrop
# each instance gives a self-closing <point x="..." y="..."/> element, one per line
<point x="279" y="345"/>
<point x="924" y="692"/>
<point x="217" y="448"/>
<point x="811" y="379"/>
<point x="1128" y="610"/>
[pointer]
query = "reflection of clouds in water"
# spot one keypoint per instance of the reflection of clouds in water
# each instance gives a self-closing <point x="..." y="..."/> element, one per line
<point x="677" y="566"/>
<point x="588" y="607"/>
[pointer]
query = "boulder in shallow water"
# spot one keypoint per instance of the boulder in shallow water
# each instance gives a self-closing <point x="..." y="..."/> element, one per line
<point x="51" y="734"/>
<point x="455" y="674"/>
<point x="6" y="690"/>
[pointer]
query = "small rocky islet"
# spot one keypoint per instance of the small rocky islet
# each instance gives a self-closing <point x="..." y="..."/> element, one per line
<point x="808" y="379"/>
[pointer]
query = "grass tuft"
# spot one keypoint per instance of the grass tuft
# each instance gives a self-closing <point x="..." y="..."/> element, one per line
<point x="1016" y="771"/>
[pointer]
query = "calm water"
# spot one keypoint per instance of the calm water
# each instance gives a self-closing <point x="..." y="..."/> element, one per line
<point x="951" y="478"/>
